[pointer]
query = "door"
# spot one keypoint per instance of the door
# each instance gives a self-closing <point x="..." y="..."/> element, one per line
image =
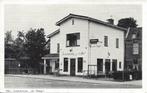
<point x="72" y="67"/>
<point x="114" y="65"/>
<point x="107" y="66"/>
<point x="99" y="65"/>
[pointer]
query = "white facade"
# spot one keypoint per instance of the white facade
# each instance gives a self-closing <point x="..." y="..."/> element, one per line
<point x="51" y="60"/>
<point x="90" y="53"/>
<point x="54" y="41"/>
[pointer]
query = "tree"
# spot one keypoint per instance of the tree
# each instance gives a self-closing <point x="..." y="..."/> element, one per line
<point x="35" y="42"/>
<point x="127" y="22"/>
<point x="19" y="45"/>
<point x="8" y="37"/>
<point x="9" y="45"/>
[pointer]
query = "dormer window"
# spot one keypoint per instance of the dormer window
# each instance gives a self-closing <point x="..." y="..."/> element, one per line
<point x="73" y="39"/>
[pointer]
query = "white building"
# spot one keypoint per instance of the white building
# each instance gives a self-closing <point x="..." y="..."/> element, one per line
<point x="88" y="46"/>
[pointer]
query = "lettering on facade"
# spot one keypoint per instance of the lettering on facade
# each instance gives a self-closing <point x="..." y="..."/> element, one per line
<point x="74" y="54"/>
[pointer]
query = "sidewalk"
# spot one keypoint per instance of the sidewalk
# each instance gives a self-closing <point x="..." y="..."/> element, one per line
<point x="79" y="79"/>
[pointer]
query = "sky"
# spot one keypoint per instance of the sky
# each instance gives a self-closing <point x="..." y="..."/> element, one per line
<point x="22" y="17"/>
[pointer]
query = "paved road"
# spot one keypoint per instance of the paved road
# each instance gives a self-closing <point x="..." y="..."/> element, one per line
<point x="24" y="82"/>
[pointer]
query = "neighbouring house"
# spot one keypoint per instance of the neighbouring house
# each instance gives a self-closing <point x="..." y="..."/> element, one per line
<point x="86" y="46"/>
<point x="133" y="51"/>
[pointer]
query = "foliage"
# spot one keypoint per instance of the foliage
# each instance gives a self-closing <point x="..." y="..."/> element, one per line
<point x="125" y="75"/>
<point x="19" y="45"/>
<point x="8" y="37"/>
<point x="35" y="42"/>
<point x="127" y="22"/>
<point x="9" y="45"/>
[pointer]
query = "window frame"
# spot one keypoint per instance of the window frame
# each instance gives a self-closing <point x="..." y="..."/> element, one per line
<point x="58" y="47"/>
<point x="106" y="41"/>
<point x="73" y="21"/>
<point x="69" y="41"/>
<point x="117" y="42"/>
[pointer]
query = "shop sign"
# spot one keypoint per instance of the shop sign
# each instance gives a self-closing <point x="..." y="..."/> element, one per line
<point x="93" y="41"/>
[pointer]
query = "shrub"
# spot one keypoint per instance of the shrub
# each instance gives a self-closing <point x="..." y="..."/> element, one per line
<point x="125" y="75"/>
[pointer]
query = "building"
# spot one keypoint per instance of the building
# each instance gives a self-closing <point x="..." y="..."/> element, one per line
<point x="133" y="51"/>
<point x="51" y="60"/>
<point x="86" y="46"/>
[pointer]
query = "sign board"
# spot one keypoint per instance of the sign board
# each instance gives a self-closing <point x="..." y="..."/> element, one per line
<point x="93" y="41"/>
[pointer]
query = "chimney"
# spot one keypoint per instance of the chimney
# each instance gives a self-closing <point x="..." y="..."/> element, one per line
<point x="110" y="21"/>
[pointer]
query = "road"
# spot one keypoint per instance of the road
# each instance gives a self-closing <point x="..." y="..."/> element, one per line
<point x="23" y="82"/>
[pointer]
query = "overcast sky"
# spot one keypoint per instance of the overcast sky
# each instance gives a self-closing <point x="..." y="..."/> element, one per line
<point x="23" y="17"/>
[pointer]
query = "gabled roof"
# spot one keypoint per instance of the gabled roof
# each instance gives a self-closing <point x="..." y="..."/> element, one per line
<point x="53" y="33"/>
<point x="89" y="19"/>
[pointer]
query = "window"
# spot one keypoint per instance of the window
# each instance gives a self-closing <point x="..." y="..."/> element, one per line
<point x="58" y="48"/>
<point x="107" y="65"/>
<point x="120" y="65"/>
<point x="133" y="36"/>
<point x="106" y="41"/>
<point x="135" y="61"/>
<point x="135" y="48"/>
<point x="65" y="64"/>
<point x="80" y="64"/>
<point x="73" y="39"/>
<point x="72" y="21"/>
<point x="99" y="64"/>
<point x="117" y="43"/>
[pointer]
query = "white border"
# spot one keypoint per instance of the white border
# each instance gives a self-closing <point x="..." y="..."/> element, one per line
<point x="91" y="90"/>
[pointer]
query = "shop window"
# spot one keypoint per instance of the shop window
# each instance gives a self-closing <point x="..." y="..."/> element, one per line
<point x="80" y="64"/>
<point x="106" y="41"/>
<point x="99" y="65"/>
<point x="65" y="64"/>
<point x="73" y="39"/>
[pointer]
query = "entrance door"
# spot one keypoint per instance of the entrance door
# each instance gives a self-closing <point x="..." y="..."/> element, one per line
<point x="107" y="66"/>
<point x="99" y="65"/>
<point x="72" y="67"/>
<point x="114" y="65"/>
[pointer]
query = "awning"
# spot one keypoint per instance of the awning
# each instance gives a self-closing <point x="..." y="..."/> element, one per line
<point x="51" y="56"/>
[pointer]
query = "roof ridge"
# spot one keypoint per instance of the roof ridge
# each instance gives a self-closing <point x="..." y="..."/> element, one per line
<point x="88" y="18"/>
